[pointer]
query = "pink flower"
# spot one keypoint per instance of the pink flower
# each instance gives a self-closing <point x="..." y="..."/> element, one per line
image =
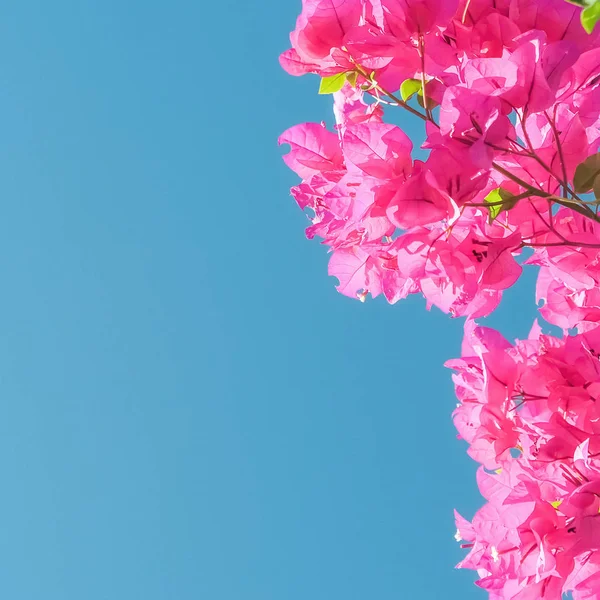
<point x="319" y="31"/>
<point x="540" y="523"/>
<point x="350" y="108"/>
<point x="356" y="271"/>
<point x="314" y="150"/>
<point x="378" y="150"/>
<point x="474" y="119"/>
<point x="517" y="83"/>
<point x="416" y="202"/>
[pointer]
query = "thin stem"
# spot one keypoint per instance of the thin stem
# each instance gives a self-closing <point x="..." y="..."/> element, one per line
<point x="556" y="244"/>
<point x="397" y="100"/>
<point x="552" y="123"/>
<point x="422" y="55"/>
<point x="572" y="204"/>
<point x="534" y="191"/>
<point x="465" y="12"/>
<point x="582" y="209"/>
<point x="550" y="225"/>
<point x="500" y="202"/>
<point x="533" y="154"/>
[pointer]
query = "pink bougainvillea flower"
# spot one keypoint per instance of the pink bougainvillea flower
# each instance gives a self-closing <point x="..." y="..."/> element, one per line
<point x="349" y="108"/>
<point x="418" y="201"/>
<point x="475" y="119"/>
<point x="356" y="272"/>
<point x="423" y="15"/>
<point x="377" y="149"/>
<point x="547" y="496"/>
<point x="320" y="29"/>
<point x="314" y="150"/>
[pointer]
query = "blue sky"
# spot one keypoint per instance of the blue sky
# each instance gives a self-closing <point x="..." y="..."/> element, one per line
<point x="188" y="408"/>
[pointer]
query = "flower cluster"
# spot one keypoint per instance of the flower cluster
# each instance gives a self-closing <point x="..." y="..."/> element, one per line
<point x="510" y="101"/>
<point x="508" y="92"/>
<point x="531" y="416"/>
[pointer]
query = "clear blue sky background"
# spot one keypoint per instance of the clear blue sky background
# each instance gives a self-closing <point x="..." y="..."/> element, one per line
<point x="188" y="408"/>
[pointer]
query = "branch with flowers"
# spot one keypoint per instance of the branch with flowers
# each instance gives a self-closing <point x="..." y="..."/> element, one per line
<point x="508" y="92"/>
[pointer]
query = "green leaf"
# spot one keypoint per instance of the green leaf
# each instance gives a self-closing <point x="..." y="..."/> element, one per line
<point x="586" y="173"/>
<point x="351" y="78"/>
<point x="590" y="16"/>
<point x="499" y="201"/>
<point x="596" y="189"/>
<point x="332" y="84"/>
<point x="409" y="88"/>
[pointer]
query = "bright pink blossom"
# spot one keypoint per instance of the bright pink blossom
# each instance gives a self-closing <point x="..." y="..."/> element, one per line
<point x="511" y="119"/>
<point x="538" y="400"/>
